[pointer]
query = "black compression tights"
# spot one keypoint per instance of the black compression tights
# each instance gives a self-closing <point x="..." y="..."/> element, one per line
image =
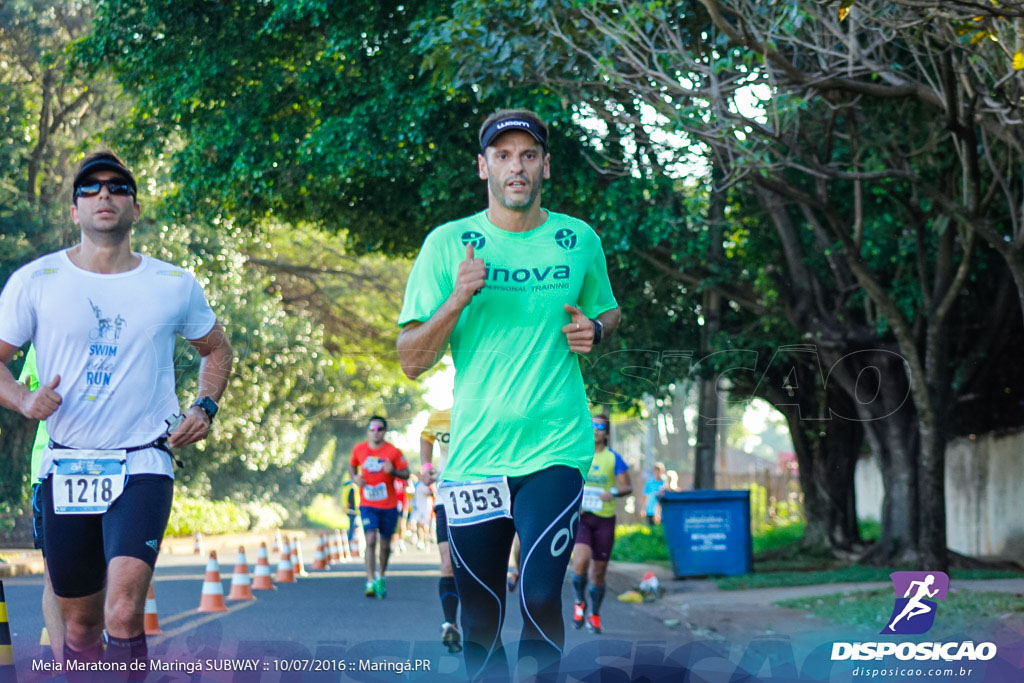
<point x="545" y="514"/>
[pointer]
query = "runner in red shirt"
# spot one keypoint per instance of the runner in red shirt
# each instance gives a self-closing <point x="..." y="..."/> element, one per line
<point x="374" y="466"/>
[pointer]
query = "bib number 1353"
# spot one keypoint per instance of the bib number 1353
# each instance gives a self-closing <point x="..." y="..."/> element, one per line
<point x="87" y="482"/>
<point x="473" y="502"/>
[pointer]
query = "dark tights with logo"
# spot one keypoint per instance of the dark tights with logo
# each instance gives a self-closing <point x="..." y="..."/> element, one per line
<point x="545" y="514"/>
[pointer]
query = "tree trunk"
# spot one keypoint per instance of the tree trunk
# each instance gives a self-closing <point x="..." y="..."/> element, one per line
<point x="876" y="381"/>
<point x="708" y="402"/>
<point x="705" y="450"/>
<point x="827" y="447"/>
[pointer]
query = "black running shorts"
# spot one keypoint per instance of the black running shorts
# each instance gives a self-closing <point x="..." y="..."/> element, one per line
<point x="78" y="548"/>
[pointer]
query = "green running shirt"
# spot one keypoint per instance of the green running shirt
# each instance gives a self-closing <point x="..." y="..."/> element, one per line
<point x="520" y="404"/>
<point x="30" y="377"/>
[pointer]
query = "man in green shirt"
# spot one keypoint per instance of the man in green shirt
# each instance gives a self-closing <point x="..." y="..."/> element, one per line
<point x="517" y="292"/>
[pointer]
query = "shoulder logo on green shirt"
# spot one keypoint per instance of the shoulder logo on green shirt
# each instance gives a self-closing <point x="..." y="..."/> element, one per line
<point x="475" y="238"/>
<point x="566" y="239"/>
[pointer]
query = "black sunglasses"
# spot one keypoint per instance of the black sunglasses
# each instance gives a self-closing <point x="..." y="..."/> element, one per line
<point x="114" y="187"/>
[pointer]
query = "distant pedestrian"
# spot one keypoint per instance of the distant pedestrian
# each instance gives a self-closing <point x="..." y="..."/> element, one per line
<point x="655" y="485"/>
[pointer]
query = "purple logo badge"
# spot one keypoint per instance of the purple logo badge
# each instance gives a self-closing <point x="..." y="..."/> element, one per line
<point x="916" y="592"/>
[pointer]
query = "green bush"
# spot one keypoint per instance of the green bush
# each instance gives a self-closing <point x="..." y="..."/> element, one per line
<point x="640" y="543"/>
<point x="325" y="513"/>
<point x="189" y="515"/>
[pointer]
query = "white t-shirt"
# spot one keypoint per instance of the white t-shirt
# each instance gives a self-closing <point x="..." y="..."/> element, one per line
<point x="111" y="339"/>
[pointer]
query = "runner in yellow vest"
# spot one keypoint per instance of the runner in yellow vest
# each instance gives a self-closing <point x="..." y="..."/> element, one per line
<point x="438" y="431"/>
<point x="607" y="480"/>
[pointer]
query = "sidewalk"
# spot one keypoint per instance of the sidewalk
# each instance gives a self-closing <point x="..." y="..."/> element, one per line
<point x="742" y="615"/>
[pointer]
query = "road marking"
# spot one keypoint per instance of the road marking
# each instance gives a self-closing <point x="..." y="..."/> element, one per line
<point x="198" y="622"/>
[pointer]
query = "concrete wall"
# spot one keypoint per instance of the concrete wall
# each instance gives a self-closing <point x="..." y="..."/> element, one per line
<point x="984" y="504"/>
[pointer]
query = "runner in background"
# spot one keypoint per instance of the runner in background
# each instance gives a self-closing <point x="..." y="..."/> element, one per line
<point x="375" y="466"/>
<point x="350" y="504"/>
<point x="607" y="480"/>
<point x="422" y="512"/>
<point x="51" y="608"/>
<point x="438" y="431"/>
<point x="398" y="540"/>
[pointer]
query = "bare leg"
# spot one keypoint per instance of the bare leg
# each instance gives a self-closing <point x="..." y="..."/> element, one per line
<point x="370" y="554"/>
<point x="128" y="581"/>
<point x="385" y="554"/>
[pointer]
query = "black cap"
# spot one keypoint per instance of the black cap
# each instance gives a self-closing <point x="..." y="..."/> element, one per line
<point x="513" y="122"/>
<point x="104" y="163"/>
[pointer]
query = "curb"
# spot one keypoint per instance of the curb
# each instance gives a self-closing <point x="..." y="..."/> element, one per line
<point x="26" y="562"/>
<point x="21" y="566"/>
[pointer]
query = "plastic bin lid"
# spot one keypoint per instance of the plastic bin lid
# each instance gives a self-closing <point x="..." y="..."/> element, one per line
<point x="706" y="494"/>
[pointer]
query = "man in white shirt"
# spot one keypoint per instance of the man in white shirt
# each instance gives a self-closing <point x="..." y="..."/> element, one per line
<point x="104" y="320"/>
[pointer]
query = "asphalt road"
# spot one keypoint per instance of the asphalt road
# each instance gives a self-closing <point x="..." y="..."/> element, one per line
<point x="310" y="630"/>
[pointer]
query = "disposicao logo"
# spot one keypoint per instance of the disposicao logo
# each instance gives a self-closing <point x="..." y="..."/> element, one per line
<point x="914" y="613"/>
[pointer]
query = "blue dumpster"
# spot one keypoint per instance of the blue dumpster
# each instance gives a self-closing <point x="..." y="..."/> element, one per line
<point x="708" y="532"/>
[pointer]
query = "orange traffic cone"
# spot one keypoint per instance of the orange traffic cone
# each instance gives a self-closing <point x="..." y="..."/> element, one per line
<point x="212" y="599"/>
<point x="7" y="672"/>
<point x="277" y="543"/>
<point x="335" y="547"/>
<point x="197" y="547"/>
<point x="346" y="552"/>
<point x="261" y="580"/>
<point x="325" y="538"/>
<point x="241" y="584"/>
<point x="284" y="567"/>
<point x="151" y="622"/>
<point x="298" y="566"/>
<point x="319" y="561"/>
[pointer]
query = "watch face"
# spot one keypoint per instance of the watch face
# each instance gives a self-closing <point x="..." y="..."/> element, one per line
<point x="207" y="405"/>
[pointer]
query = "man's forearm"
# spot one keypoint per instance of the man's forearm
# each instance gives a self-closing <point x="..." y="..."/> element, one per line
<point x="214" y="371"/>
<point x="420" y="346"/>
<point x="426" y="451"/>
<point x="12" y="392"/>
<point x="610" y="321"/>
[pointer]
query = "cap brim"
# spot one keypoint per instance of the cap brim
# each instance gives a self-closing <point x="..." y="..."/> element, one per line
<point x="98" y="165"/>
<point x="502" y="126"/>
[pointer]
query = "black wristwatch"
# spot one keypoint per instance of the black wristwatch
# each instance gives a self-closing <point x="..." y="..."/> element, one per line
<point x="207" y="405"/>
<point x="598" y="330"/>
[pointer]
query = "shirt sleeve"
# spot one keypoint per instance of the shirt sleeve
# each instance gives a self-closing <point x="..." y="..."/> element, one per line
<point x="354" y="459"/>
<point x="399" y="459"/>
<point x="428" y="433"/>
<point x="430" y="283"/>
<point x="596" y="296"/>
<point x="198" y="318"/>
<point x="620" y="464"/>
<point x="17" y="315"/>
